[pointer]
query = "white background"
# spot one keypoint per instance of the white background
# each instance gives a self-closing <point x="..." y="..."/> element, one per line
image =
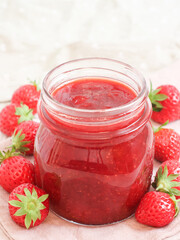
<point x="37" y="35"/>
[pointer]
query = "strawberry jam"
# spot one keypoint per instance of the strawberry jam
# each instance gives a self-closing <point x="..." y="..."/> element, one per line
<point x="94" y="94"/>
<point x="94" y="147"/>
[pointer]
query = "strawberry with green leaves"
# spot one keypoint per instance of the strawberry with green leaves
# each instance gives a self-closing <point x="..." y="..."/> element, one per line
<point x="8" y="119"/>
<point x="15" y="170"/>
<point x="168" y="178"/>
<point x="28" y="205"/>
<point x="11" y="116"/>
<point x="27" y="94"/>
<point x="28" y="130"/>
<point x="157" y="209"/>
<point x="19" y="144"/>
<point x="167" y="144"/>
<point x="166" y="103"/>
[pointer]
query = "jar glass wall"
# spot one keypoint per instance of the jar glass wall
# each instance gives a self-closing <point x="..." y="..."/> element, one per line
<point x="96" y="164"/>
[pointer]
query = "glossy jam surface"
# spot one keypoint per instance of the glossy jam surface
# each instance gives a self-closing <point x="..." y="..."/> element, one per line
<point x="93" y="181"/>
<point x="94" y="94"/>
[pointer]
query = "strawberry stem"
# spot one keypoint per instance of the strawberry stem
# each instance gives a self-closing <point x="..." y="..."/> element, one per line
<point x="162" y="187"/>
<point x="159" y="128"/>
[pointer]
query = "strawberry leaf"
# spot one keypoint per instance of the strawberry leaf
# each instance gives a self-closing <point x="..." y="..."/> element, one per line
<point x="20" y="212"/>
<point x="41" y="207"/>
<point x="29" y="205"/>
<point x="156" y="98"/>
<point x="157" y="105"/>
<point x="21" y="197"/>
<point x="175" y="204"/>
<point x="33" y="217"/>
<point x="165" y="183"/>
<point x="24" y="112"/>
<point x="7" y="154"/>
<point x="18" y="142"/>
<point x="27" y="192"/>
<point x="15" y="203"/>
<point x="160" y="172"/>
<point x="160" y="127"/>
<point x="39" y="215"/>
<point x="154" y="92"/>
<point x="36" y="84"/>
<point x="34" y="194"/>
<point x="161" y="97"/>
<point x="28" y="220"/>
<point x="176" y="192"/>
<point x="43" y="198"/>
<point x="172" y="177"/>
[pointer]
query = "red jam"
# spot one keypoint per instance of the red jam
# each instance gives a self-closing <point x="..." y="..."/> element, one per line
<point x="94" y="94"/>
<point x="92" y="181"/>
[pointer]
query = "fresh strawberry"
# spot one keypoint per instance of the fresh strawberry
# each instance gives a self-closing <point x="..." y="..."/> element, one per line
<point x="166" y="103"/>
<point x="8" y="119"/>
<point x="168" y="178"/>
<point x="29" y="129"/>
<point x="167" y="144"/>
<point x="28" y="205"/>
<point x="157" y="209"/>
<point x="27" y="94"/>
<point x="11" y="116"/>
<point x="15" y="170"/>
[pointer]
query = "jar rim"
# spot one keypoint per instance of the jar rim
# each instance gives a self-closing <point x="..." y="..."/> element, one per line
<point x="141" y="96"/>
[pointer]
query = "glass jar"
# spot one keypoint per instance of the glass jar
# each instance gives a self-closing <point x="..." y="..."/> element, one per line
<point x="96" y="164"/>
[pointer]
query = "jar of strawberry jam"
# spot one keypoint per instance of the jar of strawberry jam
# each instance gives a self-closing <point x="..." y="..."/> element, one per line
<point x="94" y="147"/>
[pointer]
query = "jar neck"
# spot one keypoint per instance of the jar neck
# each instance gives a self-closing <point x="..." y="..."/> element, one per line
<point x="123" y="119"/>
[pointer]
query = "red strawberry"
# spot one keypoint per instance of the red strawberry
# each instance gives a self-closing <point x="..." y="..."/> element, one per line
<point x="166" y="103"/>
<point x="167" y="144"/>
<point x="11" y="116"/>
<point x="168" y="178"/>
<point x="8" y="119"/>
<point x="15" y="170"/>
<point x="156" y="209"/>
<point x="28" y="129"/>
<point x="27" y="94"/>
<point x="28" y="205"/>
